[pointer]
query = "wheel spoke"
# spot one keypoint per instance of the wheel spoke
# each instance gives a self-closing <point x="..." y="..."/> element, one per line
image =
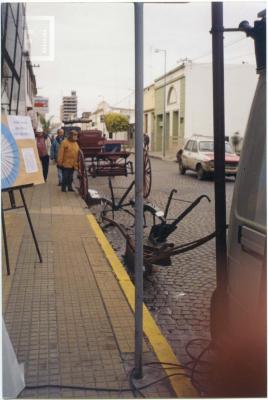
<point x="83" y="188"/>
<point x="147" y="177"/>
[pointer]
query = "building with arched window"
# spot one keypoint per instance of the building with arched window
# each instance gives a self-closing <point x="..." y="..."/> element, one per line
<point x="189" y="103"/>
<point x="175" y="109"/>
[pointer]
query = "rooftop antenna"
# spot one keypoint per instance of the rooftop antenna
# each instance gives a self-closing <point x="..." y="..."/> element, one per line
<point x="185" y="60"/>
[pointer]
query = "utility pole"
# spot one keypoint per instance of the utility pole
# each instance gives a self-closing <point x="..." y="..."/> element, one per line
<point x="218" y="302"/>
<point x="138" y="188"/>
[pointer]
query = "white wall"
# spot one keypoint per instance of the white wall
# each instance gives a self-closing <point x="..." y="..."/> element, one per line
<point x="198" y="100"/>
<point x="240" y="84"/>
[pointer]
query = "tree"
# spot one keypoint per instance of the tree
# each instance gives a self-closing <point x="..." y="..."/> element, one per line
<point x="116" y="122"/>
<point x="46" y="123"/>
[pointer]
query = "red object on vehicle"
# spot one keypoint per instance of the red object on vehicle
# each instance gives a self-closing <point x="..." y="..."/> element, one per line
<point x="228" y="157"/>
<point x="232" y="158"/>
<point x="91" y="142"/>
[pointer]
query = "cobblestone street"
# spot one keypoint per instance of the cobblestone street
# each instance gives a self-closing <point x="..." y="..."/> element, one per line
<point x="179" y="295"/>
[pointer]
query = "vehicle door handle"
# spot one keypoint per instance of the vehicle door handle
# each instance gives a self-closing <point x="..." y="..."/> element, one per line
<point x="251" y="240"/>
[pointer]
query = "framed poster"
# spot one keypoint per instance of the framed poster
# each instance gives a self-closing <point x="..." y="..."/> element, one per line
<point x="20" y="163"/>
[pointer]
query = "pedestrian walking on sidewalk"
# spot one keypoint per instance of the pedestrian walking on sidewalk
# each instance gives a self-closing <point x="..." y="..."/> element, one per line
<point x="68" y="160"/>
<point x="42" y="151"/>
<point x="48" y="143"/>
<point x="54" y="152"/>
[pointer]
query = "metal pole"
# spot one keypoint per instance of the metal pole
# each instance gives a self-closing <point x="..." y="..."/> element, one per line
<point x="164" y="112"/>
<point x="5" y="240"/>
<point x="219" y="138"/>
<point x="219" y="152"/>
<point x="138" y="187"/>
<point x="31" y="225"/>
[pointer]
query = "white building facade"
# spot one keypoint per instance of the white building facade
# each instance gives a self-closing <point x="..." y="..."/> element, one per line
<point x="189" y="102"/>
<point x="69" y="107"/>
<point x="240" y="82"/>
<point x="103" y="108"/>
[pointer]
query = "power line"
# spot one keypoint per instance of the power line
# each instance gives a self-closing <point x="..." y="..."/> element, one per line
<point x="235" y="41"/>
<point x="124" y="98"/>
<point x="194" y="59"/>
<point x="227" y="45"/>
<point x="241" y="55"/>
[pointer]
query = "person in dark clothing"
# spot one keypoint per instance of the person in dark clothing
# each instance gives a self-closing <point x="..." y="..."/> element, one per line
<point x="68" y="160"/>
<point x="42" y="151"/>
<point x="54" y="152"/>
<point x="146" y="140"/>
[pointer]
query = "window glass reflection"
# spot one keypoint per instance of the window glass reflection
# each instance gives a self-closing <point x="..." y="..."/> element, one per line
<point x="15" y="93"/>
<point x="10" y="35"/>
<point x="21" y="23"/>
<point x="3" y="17"/>
<point x="18" y="58"/>
<point x="6" y="80"/>
<point x="14" y="10"/>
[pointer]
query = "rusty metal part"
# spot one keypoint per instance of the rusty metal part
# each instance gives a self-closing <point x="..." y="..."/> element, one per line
<point x="82" y="176"/>
<point x="160" y="254"/>
<point x="160" y="232"/>
<point x="157" y="254"/>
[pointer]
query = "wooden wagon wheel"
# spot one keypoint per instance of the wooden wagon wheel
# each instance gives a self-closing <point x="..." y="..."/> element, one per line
<point x="82" y="176"/>
<point x="147" y="173"/>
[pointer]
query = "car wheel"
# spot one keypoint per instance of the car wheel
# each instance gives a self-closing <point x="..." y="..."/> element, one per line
<point x="181" y="168"/>
<point x="200" y="172"/>
<point x="178" y="155"/>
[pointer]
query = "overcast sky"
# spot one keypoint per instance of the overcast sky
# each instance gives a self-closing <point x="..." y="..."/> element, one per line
<point x="94" y="46"/>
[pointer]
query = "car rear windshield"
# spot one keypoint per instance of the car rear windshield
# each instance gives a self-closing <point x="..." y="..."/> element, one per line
<point x="209" y="146"/>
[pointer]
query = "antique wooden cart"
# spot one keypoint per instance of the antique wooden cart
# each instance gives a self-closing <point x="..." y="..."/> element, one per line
<point x="100" y="156"/>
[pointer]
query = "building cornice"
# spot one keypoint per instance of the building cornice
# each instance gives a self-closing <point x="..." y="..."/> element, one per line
<point x="170" y="82"/>
<point x="182" y="66"/>
<point x="149" y="86"/>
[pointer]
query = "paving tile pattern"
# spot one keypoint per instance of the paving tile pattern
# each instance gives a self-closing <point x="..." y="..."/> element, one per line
<point x="67" y="318"/>
<point x="179" y="295"/>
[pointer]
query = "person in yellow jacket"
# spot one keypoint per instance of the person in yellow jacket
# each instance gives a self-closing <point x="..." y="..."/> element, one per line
<point x="68" y="160"/>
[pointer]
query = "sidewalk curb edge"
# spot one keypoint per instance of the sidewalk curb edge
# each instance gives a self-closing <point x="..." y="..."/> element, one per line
<point x="181" y="385"/>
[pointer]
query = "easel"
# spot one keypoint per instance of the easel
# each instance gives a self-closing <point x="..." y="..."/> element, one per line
<point x="13" y="206"/>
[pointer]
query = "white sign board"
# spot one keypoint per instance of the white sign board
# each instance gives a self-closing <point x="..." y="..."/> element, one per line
<point x="20" y="127"/>
<point x="29" y="160"/>
<point x="20" y="162"/>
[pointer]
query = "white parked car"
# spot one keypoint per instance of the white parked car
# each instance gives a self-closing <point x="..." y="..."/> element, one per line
<point x="198" y="155"/>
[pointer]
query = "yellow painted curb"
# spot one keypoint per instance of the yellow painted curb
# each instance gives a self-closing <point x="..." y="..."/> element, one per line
<point x="181" y="384"/>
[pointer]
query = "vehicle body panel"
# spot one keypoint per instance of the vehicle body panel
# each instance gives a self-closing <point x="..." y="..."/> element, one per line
<point x="247" y="232"/>
<point x="192" y="157"/>
<point x="245" y="338"/>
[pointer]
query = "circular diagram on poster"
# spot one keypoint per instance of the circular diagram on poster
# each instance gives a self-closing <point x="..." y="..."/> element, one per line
<point x="10" y="158"/>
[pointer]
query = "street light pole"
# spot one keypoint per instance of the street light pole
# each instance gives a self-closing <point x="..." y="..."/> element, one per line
<point x="164" y="108"/>
<point x="139" y="84"/>
<point x="164" y="116"/>
<point x="219" y="311"/>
